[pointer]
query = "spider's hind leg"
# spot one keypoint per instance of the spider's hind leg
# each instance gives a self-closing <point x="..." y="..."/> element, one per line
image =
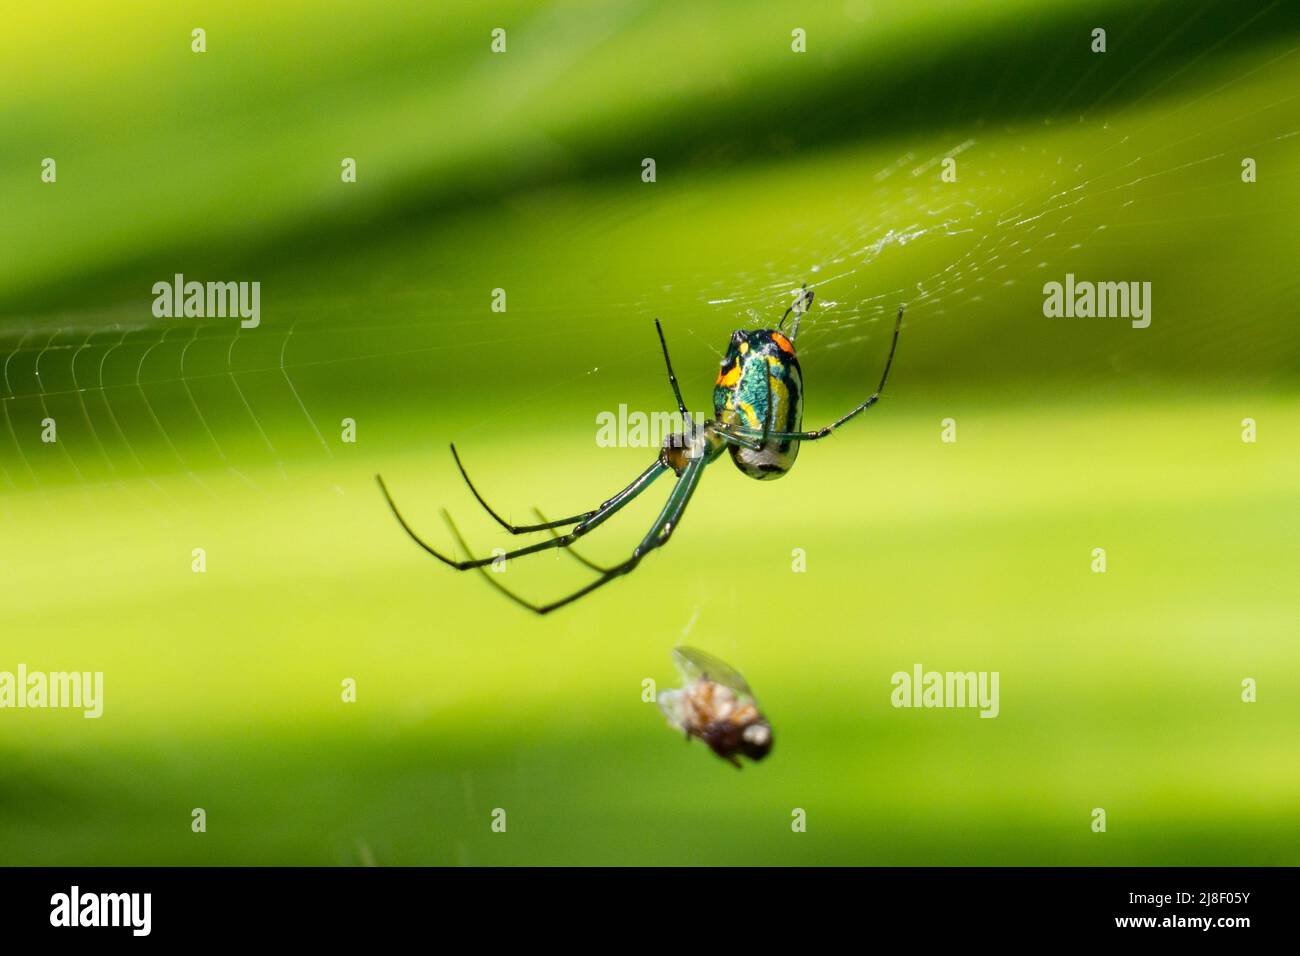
<point x="513" y="528"/>
<point x="656" y="537"/>
<point x="599" y="516"/>
<point x="572" y="551"/>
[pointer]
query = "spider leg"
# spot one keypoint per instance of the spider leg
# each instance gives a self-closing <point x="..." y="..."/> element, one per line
<point x="573" y="552"/>
<point x="672" y="379"/>
<point x="656" y="537"/>
<point x="827" y="429"/>
<point x="804" y="302"/>
<point x="605" y="511"/>
<point x="733" y="438"/>
<point x="518" y="529"/>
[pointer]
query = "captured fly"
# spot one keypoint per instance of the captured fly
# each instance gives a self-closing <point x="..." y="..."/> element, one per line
<point x="716" y="705"/>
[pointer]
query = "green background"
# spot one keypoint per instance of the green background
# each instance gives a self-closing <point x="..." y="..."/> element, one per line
<point x="522" y="171"/>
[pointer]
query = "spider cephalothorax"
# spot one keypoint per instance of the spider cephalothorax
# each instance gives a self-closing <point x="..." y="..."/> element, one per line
<point x="758" y="409"/>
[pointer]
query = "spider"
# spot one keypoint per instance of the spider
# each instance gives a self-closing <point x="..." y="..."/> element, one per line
<point x="758" y="409"/>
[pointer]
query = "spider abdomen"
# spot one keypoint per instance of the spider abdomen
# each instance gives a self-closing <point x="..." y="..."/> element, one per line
<point x="770" y="461"/>
<point x="760" y="387"/>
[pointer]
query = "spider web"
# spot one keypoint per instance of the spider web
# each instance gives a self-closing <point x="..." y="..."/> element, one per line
<point x="993" y="240"/>
<point x="133" y="400"/>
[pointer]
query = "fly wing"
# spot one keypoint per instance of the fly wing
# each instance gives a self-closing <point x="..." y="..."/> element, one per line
<point x="695" y="664"/>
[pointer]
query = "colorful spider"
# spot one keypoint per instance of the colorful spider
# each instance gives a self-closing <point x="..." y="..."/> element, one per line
<point x="758" y="409"/>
